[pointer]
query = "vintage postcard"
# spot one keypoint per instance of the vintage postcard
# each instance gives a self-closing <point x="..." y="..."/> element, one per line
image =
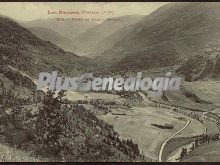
<point x="109" y="82"/>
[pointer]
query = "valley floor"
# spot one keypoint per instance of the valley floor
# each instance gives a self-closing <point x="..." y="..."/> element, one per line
<point x="136" y="124"/>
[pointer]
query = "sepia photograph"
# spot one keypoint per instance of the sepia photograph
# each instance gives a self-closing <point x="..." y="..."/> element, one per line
<point x="110" y="82"/>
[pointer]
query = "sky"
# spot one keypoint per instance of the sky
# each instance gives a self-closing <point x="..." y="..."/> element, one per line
<point x="27" y="11"/>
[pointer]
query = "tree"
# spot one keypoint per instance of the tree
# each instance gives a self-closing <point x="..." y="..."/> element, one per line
<point x="2" y="88"/>
<point x="51" y="122"/>
<point x="196" y="143"/>
<point x="183" y="153"/>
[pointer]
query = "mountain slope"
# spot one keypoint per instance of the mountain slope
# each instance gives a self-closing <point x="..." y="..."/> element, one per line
<point x="24" y="51"/>
<point x="170" y="35"/>
<point x="82" y="137"/>
<point x="60" y="33"/>
<point x="109" y="42"/>
<point x="54" y="37"/>
<point x="67" y="28"/>
<point x="88" y="139"/>
<point x="90" y="40"/>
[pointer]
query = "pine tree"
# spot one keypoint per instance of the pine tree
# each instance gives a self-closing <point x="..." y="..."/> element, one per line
<point x="182" y="154"/>
<point x="51" y="122"/>
<point x="196" y="143"/>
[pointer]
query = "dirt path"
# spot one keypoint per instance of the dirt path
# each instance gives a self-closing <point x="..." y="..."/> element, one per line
<point x="164" y="143"/>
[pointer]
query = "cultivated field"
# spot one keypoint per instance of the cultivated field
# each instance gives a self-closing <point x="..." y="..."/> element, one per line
<point x="136" y="125"/>
<point x="194" y="128"/>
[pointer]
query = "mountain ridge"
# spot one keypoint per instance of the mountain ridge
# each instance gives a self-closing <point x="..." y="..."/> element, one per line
<point x="169" y="36"/>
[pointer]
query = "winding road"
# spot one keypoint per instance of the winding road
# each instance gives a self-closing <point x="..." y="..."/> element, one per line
<point x="176" y="133"/>
<point x="164" y="143"/>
